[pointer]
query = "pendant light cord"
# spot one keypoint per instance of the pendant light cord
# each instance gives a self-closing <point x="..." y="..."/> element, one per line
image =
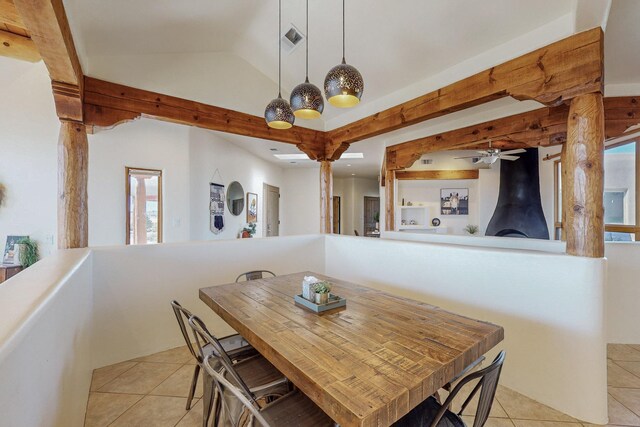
<point x="307" y="72"/>
<point x="343" y="31"/>
<point x="279" y="49"/>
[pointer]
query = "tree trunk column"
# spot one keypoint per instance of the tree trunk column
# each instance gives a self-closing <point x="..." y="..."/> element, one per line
<point x="583" y="173"/>
<point x="326" y="197"/>
<point x="390" y="200"/>
<point x="73" y="162"/>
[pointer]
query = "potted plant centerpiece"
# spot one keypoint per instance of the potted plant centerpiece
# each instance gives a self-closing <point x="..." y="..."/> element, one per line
<point x="322" y="290"/>
<point x="376" y="218"/>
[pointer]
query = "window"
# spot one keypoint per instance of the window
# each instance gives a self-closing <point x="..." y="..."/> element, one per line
<point x="144" y="206"/>
<point x="621" y="164"/>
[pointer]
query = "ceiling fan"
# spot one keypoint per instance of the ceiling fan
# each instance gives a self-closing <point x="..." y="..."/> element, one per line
<point x="491" y="155"/>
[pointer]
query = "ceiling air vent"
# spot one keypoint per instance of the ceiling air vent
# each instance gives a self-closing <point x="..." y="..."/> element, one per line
<point x="426" y="161"/>
<point x="291" y="39"/>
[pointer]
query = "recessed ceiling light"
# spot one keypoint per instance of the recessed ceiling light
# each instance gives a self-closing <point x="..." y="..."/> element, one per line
<point x="349" y="164"/>
<point x="300" y="156"/>
<point x="352" y="156"/>
<point x="353" y="174"/>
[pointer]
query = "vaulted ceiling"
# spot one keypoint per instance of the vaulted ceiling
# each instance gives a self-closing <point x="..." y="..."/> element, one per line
<point x="224" y="52"/>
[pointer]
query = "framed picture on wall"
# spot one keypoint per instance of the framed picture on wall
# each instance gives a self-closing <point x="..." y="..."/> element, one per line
<point x="11" y="255"/>
<point x="454" y="201"/>
<point x="252" y="207"/>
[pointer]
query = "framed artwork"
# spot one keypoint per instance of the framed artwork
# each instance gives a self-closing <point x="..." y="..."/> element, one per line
<point x="11" y="256"/>
<point x="454" y="201"/>
<point x="252" y="207"/>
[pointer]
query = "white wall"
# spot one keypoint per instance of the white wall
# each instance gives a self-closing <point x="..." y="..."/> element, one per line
<point x="209" y="151"/>
<point x="623" y="292"/>
<point x="428" y="194"/>
<point x="28" y="153"/>
<point x="45" y="342"/>
<point x="132" y="321"/>
<point x="143" y="143"/>
<point x="300" y="201"/>
<point x="553" y="316"/>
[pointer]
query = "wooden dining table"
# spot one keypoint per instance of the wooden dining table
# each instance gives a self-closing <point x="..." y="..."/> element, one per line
<point x="367" y="364"/>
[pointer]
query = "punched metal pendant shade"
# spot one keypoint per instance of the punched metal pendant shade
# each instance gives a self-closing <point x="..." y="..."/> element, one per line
<point x="278" y="114"/>
<point x="343" y="86"/>
<point x="306" y="98"/>
<point x="306" y="101"/>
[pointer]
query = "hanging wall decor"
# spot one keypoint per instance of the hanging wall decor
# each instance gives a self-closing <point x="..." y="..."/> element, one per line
<point x="216" y="207"/>
<point x="252" y="207"/>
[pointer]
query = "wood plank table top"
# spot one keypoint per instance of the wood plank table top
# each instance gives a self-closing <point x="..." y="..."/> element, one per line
<point x="366" y="365"/>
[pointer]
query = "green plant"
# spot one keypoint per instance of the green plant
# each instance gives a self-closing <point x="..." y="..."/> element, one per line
<point x="29" y="253"/>
<point x="250" y="228"/>
<point x="471" y="229"/>
<point x="376" y="217"/>
<point x="3" y="193"/>
<point x="322" y="288"/>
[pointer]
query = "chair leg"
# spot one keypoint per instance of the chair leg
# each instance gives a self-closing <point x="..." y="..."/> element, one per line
<point x="207" y="399"/>
<point x="194" y="382"/>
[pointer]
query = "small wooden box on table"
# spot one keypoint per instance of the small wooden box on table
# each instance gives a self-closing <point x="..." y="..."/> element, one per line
<point x="366" y="365"/>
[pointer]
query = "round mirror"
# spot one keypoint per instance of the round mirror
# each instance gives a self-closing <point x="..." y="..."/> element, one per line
<point x="235" y="198"/>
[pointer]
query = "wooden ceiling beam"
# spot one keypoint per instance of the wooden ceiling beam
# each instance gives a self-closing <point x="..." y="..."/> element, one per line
<point x="545" y="126"/>
<point x="18" y="47"/>
<point x="542" y="127"/>
<point x="108" y="104"/>
<point x="9" y="14"/>
<point x="437" y="174"/>
<point x="47" y="24"/>
<point x="550" y="75"/>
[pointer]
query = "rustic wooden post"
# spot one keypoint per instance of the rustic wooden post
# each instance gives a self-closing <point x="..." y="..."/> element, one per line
<point x="583" y="173"/>
<point x="326" y="197"/>
<point x="390" y="200"/>
<point x="73" y="162"/>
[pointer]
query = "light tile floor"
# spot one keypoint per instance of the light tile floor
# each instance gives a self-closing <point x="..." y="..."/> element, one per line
<point x="152" y="391"/>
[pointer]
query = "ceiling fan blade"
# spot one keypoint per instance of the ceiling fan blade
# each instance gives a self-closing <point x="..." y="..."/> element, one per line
<point x="516" y="151"/>
<point x="478" y="161"/>
<point x="466" y="157"/>
<point x="482" y="151"/>
<point x="509" y="157"/>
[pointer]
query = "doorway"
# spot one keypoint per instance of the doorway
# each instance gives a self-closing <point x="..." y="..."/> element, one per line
<point x="371" y="214"/>
<point x="272" y="210"/>
<point x="336" y="214"/>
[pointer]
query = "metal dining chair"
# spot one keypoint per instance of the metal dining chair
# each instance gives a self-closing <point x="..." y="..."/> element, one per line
<point x="234" y="345"/>
<point x="254" y="275"/>
<point x="258" y="378"/>
<point x="239" y="408"/>
<point x="430" y="413"/>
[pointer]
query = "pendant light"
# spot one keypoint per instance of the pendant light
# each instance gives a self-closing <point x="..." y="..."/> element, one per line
<point x="306" y="98"/>
<point x="278" y="113"/>
<point x="343" y="85"/>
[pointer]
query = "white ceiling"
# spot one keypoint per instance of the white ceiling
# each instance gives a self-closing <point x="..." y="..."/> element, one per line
<point x="393" y="44"/>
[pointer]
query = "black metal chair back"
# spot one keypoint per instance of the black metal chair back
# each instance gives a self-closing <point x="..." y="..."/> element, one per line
<point x="232" y="397"/>
<point x="204" y="337"/>
<point x="254" y="275"/>
<point x="487" y="386"/>
<point x="182" y="316"/>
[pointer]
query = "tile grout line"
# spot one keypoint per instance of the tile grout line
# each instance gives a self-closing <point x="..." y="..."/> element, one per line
<point x="625" y="369"/>
<point x="117" y="376"/>
<point x="623" y="405"/>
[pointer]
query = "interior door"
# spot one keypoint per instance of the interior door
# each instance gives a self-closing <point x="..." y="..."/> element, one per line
<point x="336" y="214"/>
<point x="272" y="208"/>
<point x="371" y="207"/>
